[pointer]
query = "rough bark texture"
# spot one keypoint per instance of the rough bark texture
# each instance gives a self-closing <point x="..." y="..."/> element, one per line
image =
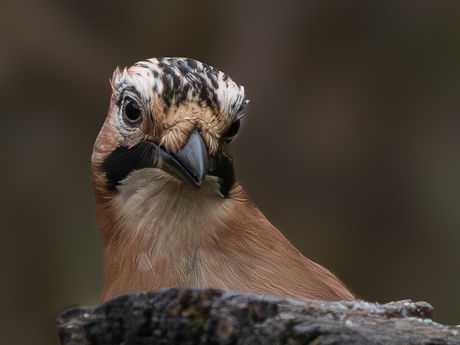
<point x="194" y="316"/>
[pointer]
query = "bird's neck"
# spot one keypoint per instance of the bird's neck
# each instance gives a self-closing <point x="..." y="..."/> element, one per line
<point x="156" y="228"/>
<point x="159" y="231"/>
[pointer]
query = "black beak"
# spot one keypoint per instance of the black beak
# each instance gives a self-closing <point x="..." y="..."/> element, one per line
<point x="191" y="160"/>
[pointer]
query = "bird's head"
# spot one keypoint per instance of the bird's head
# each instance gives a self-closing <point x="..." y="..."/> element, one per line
<point x="175" y="114"/>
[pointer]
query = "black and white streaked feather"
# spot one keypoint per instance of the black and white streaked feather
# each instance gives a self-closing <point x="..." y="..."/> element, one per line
<point x="181" y="80"/>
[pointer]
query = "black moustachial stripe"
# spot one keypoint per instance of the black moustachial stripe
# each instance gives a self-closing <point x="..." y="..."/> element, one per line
<point x="223" y="168"/>
<point x="121" y="162"/>
<point x="124" y="160"/>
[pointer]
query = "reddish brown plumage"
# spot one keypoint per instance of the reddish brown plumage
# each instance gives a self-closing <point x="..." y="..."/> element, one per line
<point x="158" y="230"/>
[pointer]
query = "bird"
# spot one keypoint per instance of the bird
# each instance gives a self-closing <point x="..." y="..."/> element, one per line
<point x="169" y="207"/>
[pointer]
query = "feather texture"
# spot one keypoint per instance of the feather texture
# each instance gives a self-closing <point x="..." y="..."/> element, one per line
<point x="166" y="233"/>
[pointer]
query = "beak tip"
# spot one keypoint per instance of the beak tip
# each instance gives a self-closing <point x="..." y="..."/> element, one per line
<point x="192" y="159"/>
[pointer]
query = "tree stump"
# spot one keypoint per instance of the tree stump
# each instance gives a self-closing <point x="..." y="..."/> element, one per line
<point x="207" y="316"/>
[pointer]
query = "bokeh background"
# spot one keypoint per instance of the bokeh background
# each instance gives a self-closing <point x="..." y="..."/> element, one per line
<point x="350" y="145"/>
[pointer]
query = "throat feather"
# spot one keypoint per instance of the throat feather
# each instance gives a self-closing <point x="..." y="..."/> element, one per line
<point x="161" y="226"/>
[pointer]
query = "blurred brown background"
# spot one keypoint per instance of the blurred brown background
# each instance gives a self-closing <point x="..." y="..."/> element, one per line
<point x="351" y="142"/>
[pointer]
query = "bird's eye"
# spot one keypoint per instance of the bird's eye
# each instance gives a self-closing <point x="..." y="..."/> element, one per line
<point x="233" y="131"/>
<point x="132" y="114"/>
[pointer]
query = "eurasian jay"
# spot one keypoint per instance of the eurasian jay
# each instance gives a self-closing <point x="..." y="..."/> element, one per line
<point x="169" y="207"/>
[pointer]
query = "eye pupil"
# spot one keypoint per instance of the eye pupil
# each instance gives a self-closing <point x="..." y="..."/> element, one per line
<point x="233" y="130"/>
<point x="132" y="111"/>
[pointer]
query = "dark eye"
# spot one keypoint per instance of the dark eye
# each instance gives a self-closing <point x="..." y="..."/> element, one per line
<point x="233" y="131"/>
<point x="131" y="111"/>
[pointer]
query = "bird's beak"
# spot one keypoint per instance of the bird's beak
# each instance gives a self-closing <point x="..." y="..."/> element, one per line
<point x="191" y="160"/>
